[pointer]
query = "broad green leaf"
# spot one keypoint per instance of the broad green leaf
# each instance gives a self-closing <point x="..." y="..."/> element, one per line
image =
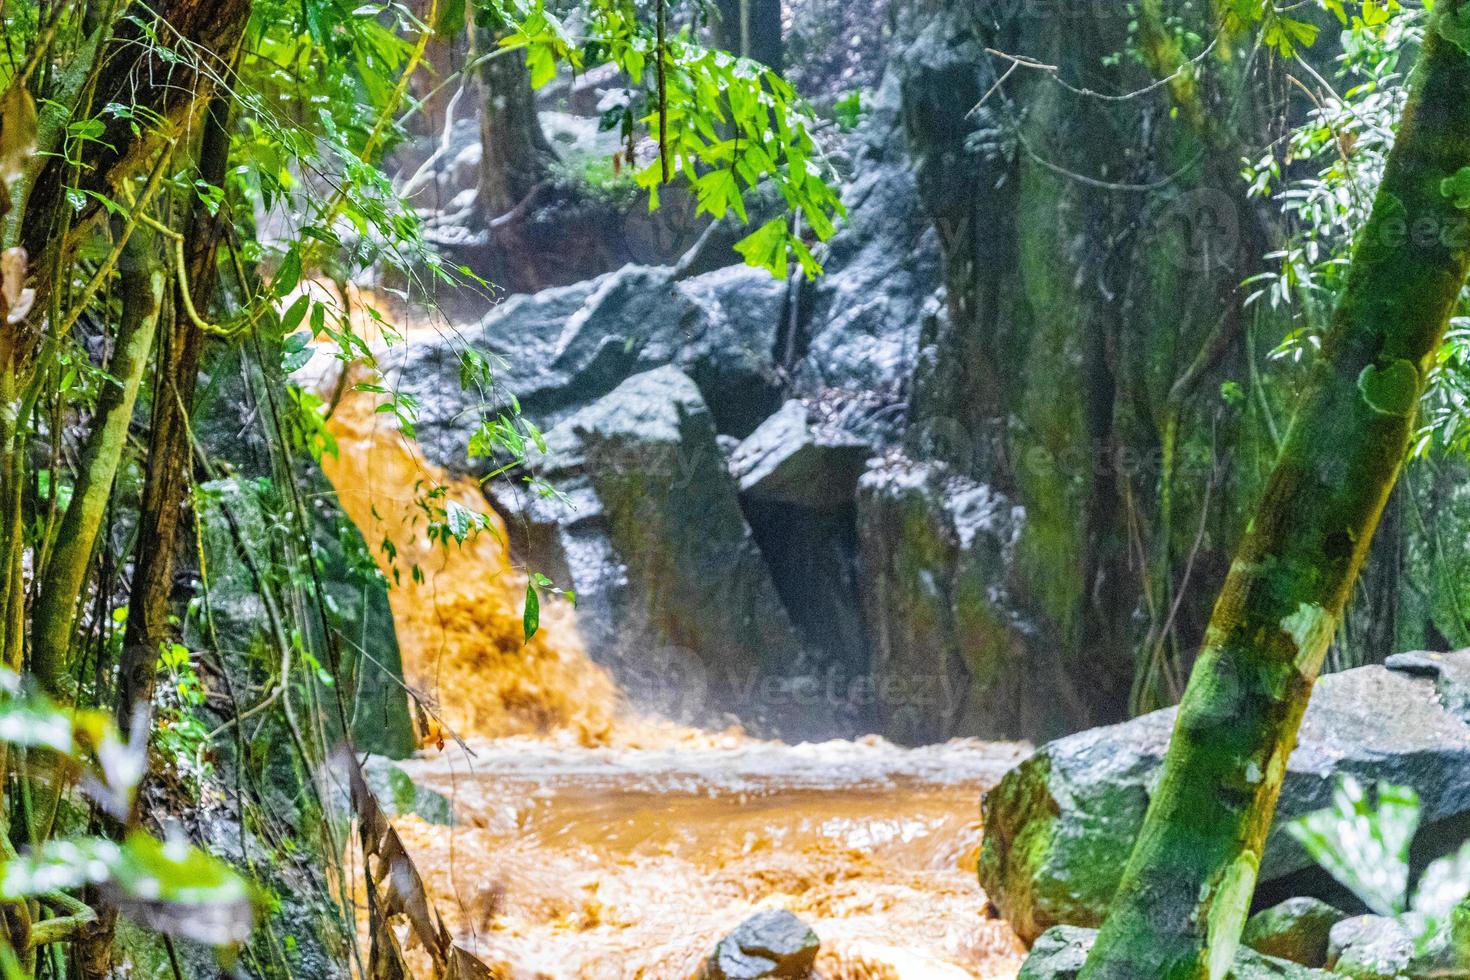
<point x="58" y="865"/>
<point x="765" y="248"/>
<point x="289" y="274"/>
<point x="531" y="620"/>
<point x="1365" y="847"/>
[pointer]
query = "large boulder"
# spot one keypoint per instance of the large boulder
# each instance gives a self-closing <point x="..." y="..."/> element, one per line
<point x="559" y="350"/>
<point x="948" y="655"/>
<point x="773" y="943"/>
<point x="789" y="460"/>
<point x="672" y="589"/>
<point x="1060" y="827"/>
<point x="1060" y="952"/>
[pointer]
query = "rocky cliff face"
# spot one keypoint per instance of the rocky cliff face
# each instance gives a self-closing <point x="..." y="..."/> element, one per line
<point x="992" y="464"/>
<point x="1093" y="249"/>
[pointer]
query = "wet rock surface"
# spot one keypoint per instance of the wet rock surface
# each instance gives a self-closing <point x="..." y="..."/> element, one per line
<point x="1370" y="947"/>
<point x="1060" y="952"/>
<point x="1296" y="929"/>
<point x="1060" y="827"/>
<point x="672" y="590"/>
<point x="948" y="652"/>
<point x="788" y="460"/>
<point x="773" y="943"/>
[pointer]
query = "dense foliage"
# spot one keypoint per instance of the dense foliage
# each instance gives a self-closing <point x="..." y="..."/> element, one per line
<point x="181" y="180"/>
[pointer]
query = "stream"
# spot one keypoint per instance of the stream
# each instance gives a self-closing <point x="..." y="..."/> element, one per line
<point x="593" y="843"/>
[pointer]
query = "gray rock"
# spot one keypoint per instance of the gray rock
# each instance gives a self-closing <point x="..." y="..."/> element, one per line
<point x="1451" y="677"/>
<point x="773" y="943"/>
<point x="561" y="349"/>
<point x="788" y="461"/>
<point x="948" y="655"/>
<point x="672" y="590"/>
<point x="1251" y="965"/>
<point x="1060" y="952"/>
<point x="881" y="269"/>
<point x="1294" y="930"/>
<point x="1060" y="827"/>
<point x="1370" y="947"/>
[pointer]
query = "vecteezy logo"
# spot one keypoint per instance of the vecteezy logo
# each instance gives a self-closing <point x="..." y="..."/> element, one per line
<point x="667" y="680"/>
<point x="1200" y="230"/>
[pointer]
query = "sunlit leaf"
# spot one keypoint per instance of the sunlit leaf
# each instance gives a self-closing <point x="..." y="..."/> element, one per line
<point x="1365" y="847"/>
<point x="1444" y="884"/>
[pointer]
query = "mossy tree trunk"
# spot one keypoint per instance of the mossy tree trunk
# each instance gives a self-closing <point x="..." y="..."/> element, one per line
<point x="66" y="573"/>
<point x="170" y="453"/>
<point x="1187" y="888"/>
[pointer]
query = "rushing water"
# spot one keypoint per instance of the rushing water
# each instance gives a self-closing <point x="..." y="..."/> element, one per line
<point x="593" y="844"/>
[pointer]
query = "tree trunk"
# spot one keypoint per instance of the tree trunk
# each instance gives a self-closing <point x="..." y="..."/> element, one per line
<point x="751" y="29"/>
<point x="65" y="575"/>
<point x="169" y="451"/>
<point x="200" y="33"/>
<point x="12" y="523"/>
<point x="517" y="156"/>
<point x="1187" y="888"/>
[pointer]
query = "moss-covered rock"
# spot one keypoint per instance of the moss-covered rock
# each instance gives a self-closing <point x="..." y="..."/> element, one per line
<point x="1061" y="826"/>
<point x="1060" y="952"/>
<point x="1370" y="947"/>
<point x="948" y="656"/>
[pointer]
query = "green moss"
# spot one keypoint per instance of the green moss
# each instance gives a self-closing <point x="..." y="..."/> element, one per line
<point x="1052" y="432"/>
<point x="1390" y="390"/>
<point x="1452" y="21"/>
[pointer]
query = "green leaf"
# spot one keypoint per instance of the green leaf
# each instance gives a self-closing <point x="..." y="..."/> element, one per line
<point x="451" y="19"/>
<point x="1365" y="847"/>
<point x="461" y="520"/>
<point x="296" y="352"/>
<point x="1444" y="884"/>
<point x="172" y="887"/>
<point x="765" y="248"/>
<point x="37" y="725"/>
<point x="293" y="316"/>
<point x="542" y="65"/>
<point x="1391" y="390"/>
<point x="289" y="274"/>
<point x="531" y="620"/>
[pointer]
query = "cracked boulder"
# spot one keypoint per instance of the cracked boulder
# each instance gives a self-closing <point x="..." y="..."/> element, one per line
<point x="672" y="590"/>
<point x="789" y="460"/>
<point x="1059" y="828"/>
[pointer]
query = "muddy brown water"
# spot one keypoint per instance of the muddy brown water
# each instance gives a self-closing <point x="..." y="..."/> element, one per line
<point x="594" y="844"/>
